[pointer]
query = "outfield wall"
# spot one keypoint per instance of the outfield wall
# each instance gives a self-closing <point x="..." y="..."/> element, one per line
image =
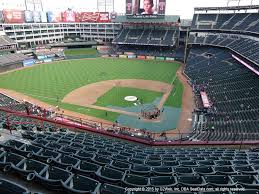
<point x="128" y="55"/>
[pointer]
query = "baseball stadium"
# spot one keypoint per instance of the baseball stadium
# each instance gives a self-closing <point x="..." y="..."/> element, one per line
<point x="128" y="97"/>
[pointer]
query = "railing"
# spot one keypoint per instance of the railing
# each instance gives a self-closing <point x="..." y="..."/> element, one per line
<point x="136" y="135"/>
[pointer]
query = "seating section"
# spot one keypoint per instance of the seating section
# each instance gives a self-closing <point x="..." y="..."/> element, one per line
<point x="125" y="164"/>
<point x="233" y="93"/>
<point x="246" y="22"/>
<point x="9" y="59"/>
<point x="5" y="40"/>
<point x="247" y="46"/>
<point x="161" y="37"/>
<point x="24" y="107"/>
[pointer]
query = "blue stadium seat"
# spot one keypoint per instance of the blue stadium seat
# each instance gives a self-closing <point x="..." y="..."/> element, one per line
<point x="81" y="184"/>
<point x="219" y="181"/>
<point x="112" y="189"/>
<point x="86" y="169"/>
<point x="131" y="180"/>
<point x="8" y="160"/>
<point x="64" y="161"/>
<point x="9" y="187"/>
<point x="45" y="155"/>
<point x="109" y="175"/>
<point x="163" y="181"/>
<point x="29" y="166"/>
<point x="248" y="181"/>
<point x="53" y="177"/>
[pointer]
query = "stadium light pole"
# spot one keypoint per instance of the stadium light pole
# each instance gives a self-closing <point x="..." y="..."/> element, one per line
<point x="186" y="46"/>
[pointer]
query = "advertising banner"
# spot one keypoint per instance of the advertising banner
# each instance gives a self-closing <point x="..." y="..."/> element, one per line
<point x="132" y="56"/>
<point x="41" y="57"/>
<point x="161" y="7"/>
<point x="129" y="7"/>
<point x="150" y="57"/>
<point x="123" y="56"/>
<point x="101" y="17"/>
<point x="143" y="8"/>
<point x="28" y="15"/>
<point x="13" y="16"/>
<point x="36" y="17"/>
<point x="169" y="59"/>
<point x="160" y="58"/>
<point x="69" y="16"/>
<point x="28" y="62"/>
<point x="141" y="57"/>
<point x="54" y="17"/>
<point x="43" y="16"/>
<point x="47" y="60"/>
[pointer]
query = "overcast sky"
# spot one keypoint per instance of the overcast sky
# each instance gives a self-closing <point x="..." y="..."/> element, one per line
<point x="184" y="8"/>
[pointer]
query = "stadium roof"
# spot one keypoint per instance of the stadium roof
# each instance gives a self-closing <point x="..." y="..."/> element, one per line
<point x="226" y="8"/>
<point x="165" y="19"/>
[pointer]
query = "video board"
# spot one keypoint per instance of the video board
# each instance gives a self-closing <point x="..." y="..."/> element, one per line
<point x="145" y="8"/>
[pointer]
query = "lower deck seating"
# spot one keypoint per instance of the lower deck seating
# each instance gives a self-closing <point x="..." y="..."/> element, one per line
<point x="233" y="92"/>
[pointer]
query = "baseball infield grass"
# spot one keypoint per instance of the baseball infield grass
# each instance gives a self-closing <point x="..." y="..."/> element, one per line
<point x="115" y="97"/>
<point x="51" y="82"/>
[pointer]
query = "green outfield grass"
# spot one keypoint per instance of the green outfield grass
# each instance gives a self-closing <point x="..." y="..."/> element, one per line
<point x="51" y="82"/>
<point x="115" y="97"/>
<point x="81" y="51"/>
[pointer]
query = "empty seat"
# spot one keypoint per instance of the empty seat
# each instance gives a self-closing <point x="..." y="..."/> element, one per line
<point x="9" y="187"/>
<point x="68" y="150"/>
<point x="52" y="177"/>
<point x="86" y="169"/>
<point x="246" y="191"/>
<point x="162" y="170"/>
<point x="46" y="154"/>
<point x="248" y="181"/>
<point x="64" y="161"/>
<point x="160" y="181"/>
<point x="120" y="165"/>
<point x="84" y="155"/>
<point x="131" y="180"/>
<point x="224" y="170"/>
<point x="245" y="169"/>
<point x="111" y="189"/>
<point x="28" y="150"/>
<point x="28" y="166"/>
<point x="189" y="180"/>
<point x="12" y="145"/>
<point x="109" y="175"/>
<point x="203" y="170"/>
<point x="81" y="184"/>
<point x="10" y="159"/>
<point x="101" y="160"/>
<point x="140" y="169"/>
<point x="219" y="180"/>
<point x="183" y="170"/>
